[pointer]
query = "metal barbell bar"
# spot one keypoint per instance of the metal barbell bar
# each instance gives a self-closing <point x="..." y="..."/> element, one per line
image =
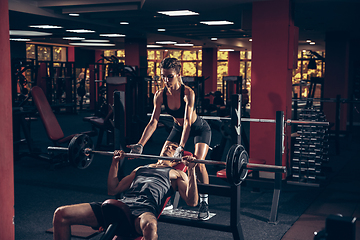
<point x="288" y="121"/>
<point x="249" y="166"/>
<point x="80" y="154"/>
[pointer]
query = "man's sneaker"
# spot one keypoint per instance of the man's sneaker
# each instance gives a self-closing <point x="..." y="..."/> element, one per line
<point x="168" y="206"/>
<point x="204" y="213"/>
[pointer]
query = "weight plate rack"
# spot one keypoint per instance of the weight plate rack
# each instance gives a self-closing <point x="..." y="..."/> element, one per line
<point x="310" y="148"/>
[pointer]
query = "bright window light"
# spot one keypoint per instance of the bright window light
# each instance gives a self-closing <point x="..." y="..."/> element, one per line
<point x="80" y="31"/>
<point x="112" y="35"/>
<point x="74" y="14"/>
<point x="184" y="44"/>
<point x="212" y="23"/>
<point x="45" y="26"/>
<point x="73" y="38"/>
<point x="93" y="44"/>
<point x="20" y="39"/>
<point x="28" y="33"/>
<point x="178" y="13"/>
<point x="166" y="42"/>
<point x="95" y="40"/>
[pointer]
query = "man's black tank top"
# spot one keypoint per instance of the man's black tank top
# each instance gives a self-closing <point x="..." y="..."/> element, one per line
<point x="178" y="113"/>
<point x="150" y="188"/>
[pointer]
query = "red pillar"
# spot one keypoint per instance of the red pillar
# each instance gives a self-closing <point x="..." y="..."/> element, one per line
<point x="7" y="230"/>
<point x="71" y="54"/>
<point x="273" y="57"/>
<point x="136" y="54"/>
<point x="209" y="68"/>
<point x="336" y="80"/>
<point x="234" y="63"/>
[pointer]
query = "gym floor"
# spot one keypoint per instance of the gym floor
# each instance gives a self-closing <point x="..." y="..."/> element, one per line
<point x="40" y="189"/>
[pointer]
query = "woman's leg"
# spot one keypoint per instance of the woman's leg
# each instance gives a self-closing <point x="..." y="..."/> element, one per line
<point x="65" y="216"/>
<point x="201" y="150"/>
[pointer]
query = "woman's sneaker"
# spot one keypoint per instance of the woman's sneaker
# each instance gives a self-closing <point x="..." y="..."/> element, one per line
<point x="204" y="213"/>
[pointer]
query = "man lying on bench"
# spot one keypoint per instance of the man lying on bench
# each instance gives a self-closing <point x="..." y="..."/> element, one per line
<point x="145" y="191"/>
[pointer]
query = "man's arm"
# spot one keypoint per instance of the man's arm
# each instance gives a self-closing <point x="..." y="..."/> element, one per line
<point x="187" y="185"/>
<point x="114" y="185"/>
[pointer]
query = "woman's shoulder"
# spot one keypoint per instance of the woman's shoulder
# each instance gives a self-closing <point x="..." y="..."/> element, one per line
<point x="188" y="90"/>
<point x="159" y="92"/>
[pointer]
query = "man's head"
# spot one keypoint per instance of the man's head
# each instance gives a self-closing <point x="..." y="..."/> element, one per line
<point x="168" y="150"/>
<point x="170" y="69"/>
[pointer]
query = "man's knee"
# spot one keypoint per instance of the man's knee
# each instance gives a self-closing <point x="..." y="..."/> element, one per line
<point x="150" y="230"/>
<point x="60" y="215"/>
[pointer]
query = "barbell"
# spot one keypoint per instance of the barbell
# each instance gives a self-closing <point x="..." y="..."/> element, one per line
<point x="237" y="164"/>
<point x="259" y="120"/>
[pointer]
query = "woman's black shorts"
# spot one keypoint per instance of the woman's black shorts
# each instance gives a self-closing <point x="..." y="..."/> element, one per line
<point x="200" y="130"/>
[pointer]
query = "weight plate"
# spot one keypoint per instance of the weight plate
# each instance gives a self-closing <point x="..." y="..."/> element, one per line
<point x="236" y="157"/>
<point x="77" y="146"/>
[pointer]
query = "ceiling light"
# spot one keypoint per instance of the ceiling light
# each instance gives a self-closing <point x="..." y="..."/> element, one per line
<point x="28" y="33"/>
<point x="124" y="23"/>
<point x="308" y="40"/>
<point x="179" y="13"/>
<point x="74" y="14"/>
<point x="161" y="29"/>
<point x="93" y="44"/>
<point x="166" y="42"/>
<point x="73" y="38"/>
<point x="184" y="44"/>
<point x="226" y="50"/>
<point x="217" y="23"/>
<point x="45" y="26"/>
<point x="20" y="39"/>
<point x="250" y="39"/>
<point x="153" y="46"/>
<point x="80" y="31"/>
<point x="112" y="35"/>
<point x="312" y="43"/>
<point x="95" y="40"/>
<point x="213" y="39"/>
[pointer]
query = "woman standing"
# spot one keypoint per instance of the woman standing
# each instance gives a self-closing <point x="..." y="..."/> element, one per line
<point x="179" y="101"/>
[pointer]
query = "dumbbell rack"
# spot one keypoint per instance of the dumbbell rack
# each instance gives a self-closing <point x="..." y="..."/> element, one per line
<point x="310" y="148"/>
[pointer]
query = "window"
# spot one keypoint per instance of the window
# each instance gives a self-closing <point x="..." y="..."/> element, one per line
<point x="302" y="75"/>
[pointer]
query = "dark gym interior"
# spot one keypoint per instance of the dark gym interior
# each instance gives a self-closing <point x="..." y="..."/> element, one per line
<point x="289" y="69"/>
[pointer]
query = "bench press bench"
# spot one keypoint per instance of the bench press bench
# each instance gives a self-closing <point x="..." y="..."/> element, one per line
<point x="51" y="124"/>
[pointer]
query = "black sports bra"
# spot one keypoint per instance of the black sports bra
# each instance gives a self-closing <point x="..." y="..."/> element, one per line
<point x="178" y="113"/>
